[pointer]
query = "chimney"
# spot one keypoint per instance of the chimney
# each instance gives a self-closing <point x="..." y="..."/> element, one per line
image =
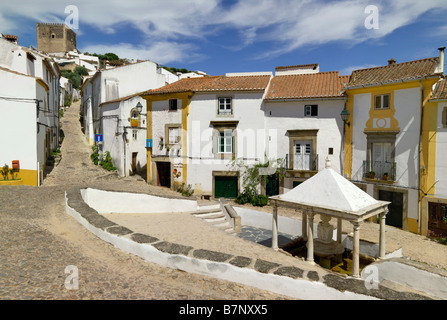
<point x="391" y="61"/>
<point x="441" y="60"/>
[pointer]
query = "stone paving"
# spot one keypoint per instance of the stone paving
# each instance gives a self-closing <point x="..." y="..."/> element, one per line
<point x="38" y="240"/>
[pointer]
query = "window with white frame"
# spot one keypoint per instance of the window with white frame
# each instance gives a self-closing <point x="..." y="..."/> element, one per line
<point x="174" y="135"/>
<point x="225" y="141"/>
<point x="225" y="106"/>
<point x="382" y="101"/>
<point x="311" y="110"/>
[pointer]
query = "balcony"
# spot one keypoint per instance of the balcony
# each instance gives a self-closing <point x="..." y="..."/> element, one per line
<point x="379" y="171"/>
<point x="309" y="163"/>
<point x="134" y="122"/>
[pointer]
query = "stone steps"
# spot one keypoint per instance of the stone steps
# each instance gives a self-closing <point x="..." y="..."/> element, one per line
<point x="216" y="218"/>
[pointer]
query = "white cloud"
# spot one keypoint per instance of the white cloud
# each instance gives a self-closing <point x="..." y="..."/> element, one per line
<point x="283" y="25"/>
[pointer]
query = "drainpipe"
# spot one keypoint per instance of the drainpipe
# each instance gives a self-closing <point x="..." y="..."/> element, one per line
<point x="419" y="159"/>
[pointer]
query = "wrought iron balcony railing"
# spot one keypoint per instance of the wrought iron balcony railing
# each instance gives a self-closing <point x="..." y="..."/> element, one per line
<point x="379" y="170"/>
<point x="310" y="164"/>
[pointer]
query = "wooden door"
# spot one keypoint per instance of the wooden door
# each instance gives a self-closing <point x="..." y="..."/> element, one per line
<point x="437" y="219"/>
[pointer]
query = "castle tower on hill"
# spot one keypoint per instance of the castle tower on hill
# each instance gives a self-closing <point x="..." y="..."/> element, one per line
<point x="53" y="37"/>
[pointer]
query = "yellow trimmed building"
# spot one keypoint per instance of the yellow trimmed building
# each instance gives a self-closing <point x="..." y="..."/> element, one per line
<point x="390" y="137"/>
<point x="29" y="108"/>
<point x="197" y="126"/>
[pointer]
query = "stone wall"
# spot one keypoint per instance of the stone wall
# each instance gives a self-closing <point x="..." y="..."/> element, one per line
<point x="52" y="37"/>
<point x="266" y="275"/>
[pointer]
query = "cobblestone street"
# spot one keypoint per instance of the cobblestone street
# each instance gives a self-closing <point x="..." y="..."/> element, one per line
<point x="38" y="240"/>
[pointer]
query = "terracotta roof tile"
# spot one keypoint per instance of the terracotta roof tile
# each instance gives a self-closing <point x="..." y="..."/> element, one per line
<point x="305" y="86"/>
<point x="440" y="91"/>
<point x="393" y="73"/>
<point x="213" y="84"/>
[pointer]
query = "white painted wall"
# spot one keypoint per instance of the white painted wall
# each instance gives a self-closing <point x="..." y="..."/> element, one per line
<point x="115" y="120"/>
<point x="441" y="155"/>
<point x="121" y="202"/>
<point x="407" y="106"/>
<point x="289" y="115"/>
<point x="362" y="104"/>
<point x="24" y="138"/>
<point x="247" y="109"/>
<point x="407" y="103"/>
<point x="18" y="121"/>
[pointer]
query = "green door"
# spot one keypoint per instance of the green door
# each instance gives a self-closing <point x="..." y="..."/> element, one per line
<point x="272" y="186"/>
<point x="395" y="208"/>
<point x="225" y="187"/>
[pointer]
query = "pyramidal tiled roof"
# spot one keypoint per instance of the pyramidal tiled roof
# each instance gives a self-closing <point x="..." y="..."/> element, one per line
<point x="440" y="91"/>
<point x="214" y="83"/>
<point x="328" y="189"/>
<point x="410" y="70"/>
<point x="304" y="86"/>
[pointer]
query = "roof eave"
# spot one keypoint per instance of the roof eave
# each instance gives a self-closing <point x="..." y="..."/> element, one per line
<point x="376" y="84"/>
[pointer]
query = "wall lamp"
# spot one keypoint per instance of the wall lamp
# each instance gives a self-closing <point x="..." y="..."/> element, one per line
<point x="345" y="116"/>
<point x="140" y="108"/>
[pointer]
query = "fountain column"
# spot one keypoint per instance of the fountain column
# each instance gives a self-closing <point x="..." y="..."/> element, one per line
<point x="310" y="236"/>
<point x="356" y="250"/>
<point x="275" y="226"/>
<point x="382" y="234"/>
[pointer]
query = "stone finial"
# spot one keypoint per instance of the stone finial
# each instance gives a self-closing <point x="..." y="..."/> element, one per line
<point x="328" y="162"/>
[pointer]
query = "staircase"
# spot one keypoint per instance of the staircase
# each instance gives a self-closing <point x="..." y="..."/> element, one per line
<point x="214" y="216"/>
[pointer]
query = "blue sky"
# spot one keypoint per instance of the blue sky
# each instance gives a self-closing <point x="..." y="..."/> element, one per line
<point x="217" y="36"/>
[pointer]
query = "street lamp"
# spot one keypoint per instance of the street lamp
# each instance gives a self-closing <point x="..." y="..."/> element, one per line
<point x="139" y="107"/>
<point x="345" y="116"/>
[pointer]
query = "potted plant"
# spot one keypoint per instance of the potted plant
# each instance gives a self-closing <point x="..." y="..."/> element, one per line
<point x="385" y="176"/>
<point x="372" y="174"/>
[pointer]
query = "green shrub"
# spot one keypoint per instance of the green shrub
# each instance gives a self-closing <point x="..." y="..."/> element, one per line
<point x="5" y="171"/>
<point x="243" y="198"/>
<point x="260" y="200"/>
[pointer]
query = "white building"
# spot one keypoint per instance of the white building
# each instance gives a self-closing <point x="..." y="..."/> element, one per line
<point x="109" y="100"/>
<point x="75" y="58"/>
<point x="29" y="108"/>
<point x="199" y="125"/>
<point x="66" y="90"/>
<point x="249" y="117"/>
<point x="434" y="206"/>
<point x="390" y="138"/>
<point x="302" y="111"/>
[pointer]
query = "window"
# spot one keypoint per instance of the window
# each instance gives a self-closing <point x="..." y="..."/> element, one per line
<point x="311" y="110"/>
<point x="134" y="134"/>
<point x="303" y="155"/>
<point x="172" y="104"/>
<point x="225" y="142"/>
<point x="174" y="135"/>
<point x="134" y="118"/>
<point x="380" y="155"/>
<point x="225" y="106"/>
<point x="382" y="101"/>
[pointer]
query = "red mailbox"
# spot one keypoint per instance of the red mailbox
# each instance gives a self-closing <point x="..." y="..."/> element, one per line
<point x="15" y="164"/>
